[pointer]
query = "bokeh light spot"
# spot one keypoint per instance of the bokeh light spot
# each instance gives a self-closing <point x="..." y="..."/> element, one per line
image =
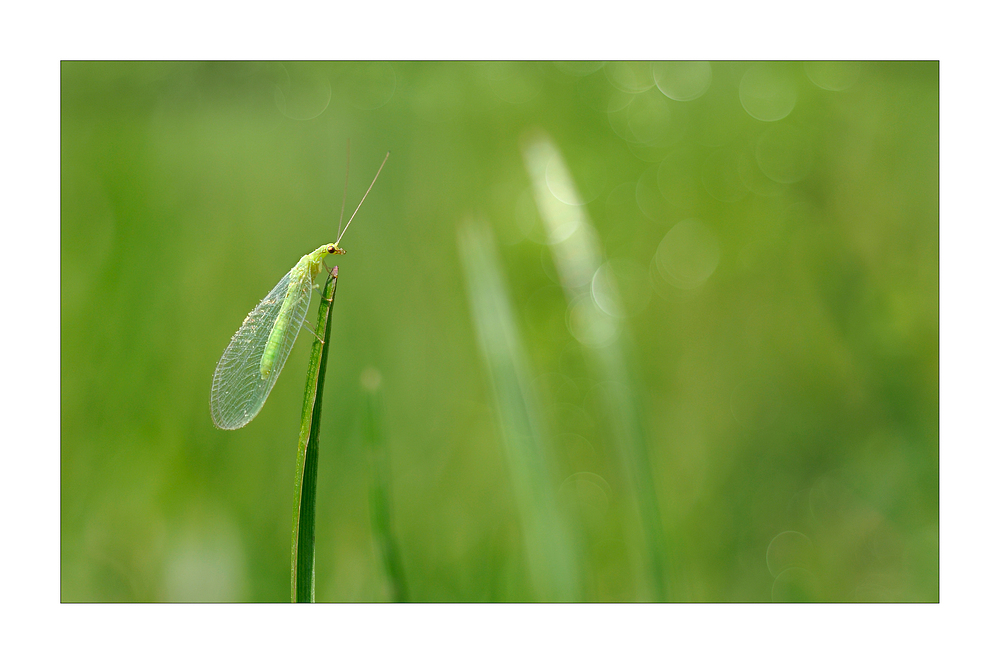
<point x="304" y="95"/>
<point x="580" y="453"/>
<point x="596" y="92"/>
<point x="369" y="85"/>
<point x="572" y="416"/>
<point x="767" y="92"/>
<point x="621" y="287"/>
<point x="835" y="76"/>
<point x="586" y="182"/>
<point x="788" y="549"/>
<point x="589" y="324"/>
<point x="587" y="495"/>
<point x="752" y="177"/>
<point x="784" y="154"/>
<point x="682" y="81"/>
<point x="619" y="123"/>
<point x="604" y="288"/>
<point x="631" y="77"/>
<point x="556" y="387"/>
<point x="649" y="119"/>
<point x="371" y="378"/>
<point x="795" y="585"/>
<point x="206" y="563"/>
<point x="688" y="254"/>
<point x="830" y="499"/>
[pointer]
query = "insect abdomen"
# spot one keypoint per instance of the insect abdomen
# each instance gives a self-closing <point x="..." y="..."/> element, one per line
<point x="280" y="326"/>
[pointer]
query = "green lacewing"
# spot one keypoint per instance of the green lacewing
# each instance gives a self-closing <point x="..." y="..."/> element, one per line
<point x="250" y="365"/>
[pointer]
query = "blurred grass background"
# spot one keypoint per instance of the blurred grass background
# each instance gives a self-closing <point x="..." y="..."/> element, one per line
<point x="767" y="235"/>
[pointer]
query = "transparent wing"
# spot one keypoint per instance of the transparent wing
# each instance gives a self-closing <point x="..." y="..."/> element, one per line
<point x="238" y="390"/>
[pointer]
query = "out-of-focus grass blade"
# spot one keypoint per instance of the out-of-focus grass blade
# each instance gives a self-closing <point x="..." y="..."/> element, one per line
<point x="550" y="552"/>
<point x="307" y="458"/>
<point x="378" y="493"/>
<point x="577" y="256"/>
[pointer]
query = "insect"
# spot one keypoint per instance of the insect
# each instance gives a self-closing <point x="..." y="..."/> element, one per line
<point x="250" y="365"/>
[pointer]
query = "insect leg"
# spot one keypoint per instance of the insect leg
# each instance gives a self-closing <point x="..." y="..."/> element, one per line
<point x="306" y="325"/>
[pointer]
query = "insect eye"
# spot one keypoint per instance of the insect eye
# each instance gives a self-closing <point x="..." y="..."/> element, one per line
<point x="331" y="249"/>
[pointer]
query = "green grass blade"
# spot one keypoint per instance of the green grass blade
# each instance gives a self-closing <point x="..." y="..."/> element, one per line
<point x="551" y="553"/>
<point x="307" y="459"/>
<point x="577" y="256"/>
<point x="379" y="499"/>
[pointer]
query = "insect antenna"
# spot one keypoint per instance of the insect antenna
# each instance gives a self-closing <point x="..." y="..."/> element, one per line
<point x="362" y="199"/>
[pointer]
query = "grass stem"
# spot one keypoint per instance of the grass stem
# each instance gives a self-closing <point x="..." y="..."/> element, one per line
<point x="307" y="458"/>
<point x="577" y="254"/>
<point x="379" y="499"/>
<point x="549" y="544"/>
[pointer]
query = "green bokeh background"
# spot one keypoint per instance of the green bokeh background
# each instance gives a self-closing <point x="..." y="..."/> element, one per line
<point x="790" y="399"/>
